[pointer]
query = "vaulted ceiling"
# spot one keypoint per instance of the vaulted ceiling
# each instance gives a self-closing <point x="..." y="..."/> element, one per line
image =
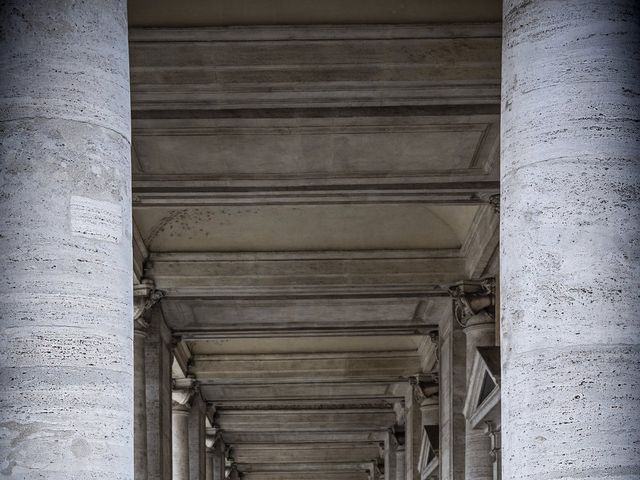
<point x="303" y="194"/>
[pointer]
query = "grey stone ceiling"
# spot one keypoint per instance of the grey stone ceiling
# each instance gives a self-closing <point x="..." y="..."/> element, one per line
<point x="202" y="13"/>
<point x="302" y="195"/>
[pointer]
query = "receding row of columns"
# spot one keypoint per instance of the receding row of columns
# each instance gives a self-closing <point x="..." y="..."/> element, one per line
<point x="170" y="439"/>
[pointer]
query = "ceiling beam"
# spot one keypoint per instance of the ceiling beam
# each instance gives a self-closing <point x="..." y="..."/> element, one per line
<point x="308" y="367"/>
<point x="306" y="420"/>
<point x="290" y="67"/>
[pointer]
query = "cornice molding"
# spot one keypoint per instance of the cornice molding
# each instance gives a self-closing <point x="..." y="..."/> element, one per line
<point x="316" y="32"/>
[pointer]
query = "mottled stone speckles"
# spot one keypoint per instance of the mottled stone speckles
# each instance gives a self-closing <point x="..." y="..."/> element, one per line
<point x="570" y="239"/>
<point x="65" y="299"/>
<point x="95" y="219"/>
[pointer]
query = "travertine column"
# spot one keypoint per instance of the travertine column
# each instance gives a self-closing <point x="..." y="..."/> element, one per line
<point x="401" y="459"/>
<point x="474" y="310"/>
<point x="452" y="394"/>
<point x="570" y="231"/>
<point x="66" y="409"/>
<point x="197" y="437"/>
<point x="144" y="296"/>
<point x="390" y="446"/>
<point x="413" y="435"/>
<point x="139" y="400"/>
<point x="210" y="457"/>
<point x="180" y="433"/>
<point x="478" y="463"/>
<point x="218" y="460"/>
<point x="158" y="361"/>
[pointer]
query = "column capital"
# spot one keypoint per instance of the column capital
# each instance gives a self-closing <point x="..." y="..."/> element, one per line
<point x="213" y="438"/>
<point x="182" y="393"/>
<point x="474" y="301"/>
<point x="145" y="296"/>
<point x="424" y="386"/>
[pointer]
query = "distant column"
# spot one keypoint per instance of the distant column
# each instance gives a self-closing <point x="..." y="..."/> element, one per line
<point x="144" y="297"/>
<point x="401" y="458"/>
<point x="158" y="361"/>
<point x="180" y="432"/>
<point x="390" y="446"/>
<point x="210" y="457"/>
<point x="452" y="395"/>
<point x="197" y="437"/>
<point x="473" y="310"/>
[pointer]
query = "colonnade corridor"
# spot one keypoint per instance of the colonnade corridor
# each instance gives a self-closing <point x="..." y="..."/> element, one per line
<point x="336" y="240"/>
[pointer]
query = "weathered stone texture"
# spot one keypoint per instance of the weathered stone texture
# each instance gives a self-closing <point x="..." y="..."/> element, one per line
<point x="65" y="241"/>
<point x="570" y="239"/>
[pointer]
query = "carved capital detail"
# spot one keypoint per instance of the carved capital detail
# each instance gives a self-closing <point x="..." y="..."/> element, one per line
<point x="145" y="296"/>
<point x="424" y="386"/>
<point x="183" y="391"/>
<point x="472" y="297"/>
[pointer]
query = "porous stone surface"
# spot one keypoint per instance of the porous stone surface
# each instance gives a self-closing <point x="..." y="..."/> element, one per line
<point x="180" y="442"/>
<point x="66" y="408"/>
<point x="570" y="239"/>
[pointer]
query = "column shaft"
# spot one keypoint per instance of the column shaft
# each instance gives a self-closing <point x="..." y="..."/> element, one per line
<point x="401" y="460"/>
<point x="180" y="442"/>
<point x="570" y="231"/>
<point x="478" y="464"/>
<point x="65" y="241"/>
<point x="218" y="460"/>
<point x="139" y="405"/>
<point x="390" y="446"/>
<point x="452" y="394"/>
<point x="158" y="360"/>
<point x="413" y="435"/>
<point x="210" y="466"/>
<point x="197" y="438"/>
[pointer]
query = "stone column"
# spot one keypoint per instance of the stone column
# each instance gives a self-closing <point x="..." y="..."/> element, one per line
<point x="413" y="433"/>
<point x="473" y="310"/>
<point x="478" y="463"/>
<point x="218" y="460"/>
<point x="570" y="230"/>
<point x="180" y="432"/>
<point x="66" y="336"/>
<point x="158" y="361"/>
<point x="390" y="446"/>
<point x="233" y="473"/>
<point x="197" y="437"/>
<point x="210" y="457"/>
<point x="452" y="395"/>
<point x="401" y="458"/>
<point x="144" y="296"/>
<point x="139" y="400"/>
